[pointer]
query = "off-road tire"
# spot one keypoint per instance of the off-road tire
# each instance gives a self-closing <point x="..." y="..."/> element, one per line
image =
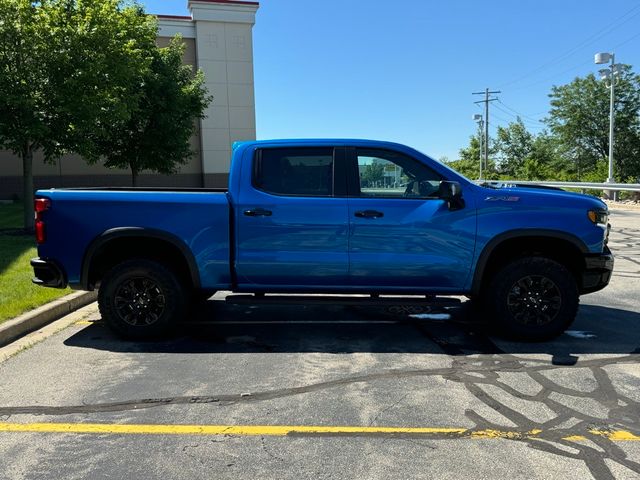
<point x="532" y="299"/>
<point x="141" y="299"/>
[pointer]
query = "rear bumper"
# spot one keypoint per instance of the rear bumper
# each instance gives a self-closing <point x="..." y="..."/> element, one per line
<point x="598" y="270"/>
<point x="48" y="273"/>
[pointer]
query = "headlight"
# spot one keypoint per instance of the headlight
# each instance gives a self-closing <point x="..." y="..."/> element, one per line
<point x="599" y="217"/>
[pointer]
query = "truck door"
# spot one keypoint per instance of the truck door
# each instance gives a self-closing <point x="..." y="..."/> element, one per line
<point x="401" y="234"/>
<point x="291" y="219"/>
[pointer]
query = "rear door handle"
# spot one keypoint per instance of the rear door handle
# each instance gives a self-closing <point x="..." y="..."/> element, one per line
<point x="369" y="214"/>
<point x="258" y="212"/>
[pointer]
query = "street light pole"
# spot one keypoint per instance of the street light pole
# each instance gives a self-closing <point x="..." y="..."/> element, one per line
<point x="609" y="74"/>
<point x="612" y="116"/>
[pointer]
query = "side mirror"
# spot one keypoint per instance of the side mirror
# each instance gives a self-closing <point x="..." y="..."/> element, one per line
<point x="451" y="192"/>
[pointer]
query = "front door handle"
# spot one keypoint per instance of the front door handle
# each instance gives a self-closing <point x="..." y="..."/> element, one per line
<point x="369" y="214"/>
<point x="258" y="212"/>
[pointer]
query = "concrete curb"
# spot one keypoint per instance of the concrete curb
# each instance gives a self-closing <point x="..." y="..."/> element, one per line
<point x="35" y="319"/>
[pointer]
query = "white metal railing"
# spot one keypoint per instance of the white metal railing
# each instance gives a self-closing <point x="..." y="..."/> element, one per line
<point x="627" y="187"/>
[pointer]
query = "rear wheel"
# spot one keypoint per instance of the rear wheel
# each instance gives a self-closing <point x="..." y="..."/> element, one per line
<point x="141" y="298"/>
<point x="533" y="299"/>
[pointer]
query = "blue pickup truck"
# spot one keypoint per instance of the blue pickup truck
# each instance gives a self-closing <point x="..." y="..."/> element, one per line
<point x="327" y="216"/>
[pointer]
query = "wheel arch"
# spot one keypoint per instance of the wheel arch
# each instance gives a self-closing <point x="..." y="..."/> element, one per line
<point x="557" y="245"/>
<point x="143" y="242"/>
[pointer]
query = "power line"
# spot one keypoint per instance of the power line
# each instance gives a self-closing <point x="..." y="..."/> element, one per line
<point x="518" y="114"/>
<point x="599" y="34"/>
<point x="540" y="125"/>
<point x="575" y="67"/>
<point x="626" y="41"/>
<point x="501" y="119"/>
<point x="544" y="80"/>
<point x="529" y="126"/>
<point x="602" y="32"/>
<point x="517" y="117"/>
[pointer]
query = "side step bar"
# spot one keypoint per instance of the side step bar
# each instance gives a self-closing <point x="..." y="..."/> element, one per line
<point x="249" y="299"/>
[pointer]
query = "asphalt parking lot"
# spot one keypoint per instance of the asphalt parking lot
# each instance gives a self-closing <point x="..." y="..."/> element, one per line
<point x="329" y="391"/>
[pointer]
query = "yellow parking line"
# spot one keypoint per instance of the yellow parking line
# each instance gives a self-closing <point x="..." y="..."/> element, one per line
<point x="616" y="435"/>
<point x="283" y="430"/>
<point x="245" y="430"/>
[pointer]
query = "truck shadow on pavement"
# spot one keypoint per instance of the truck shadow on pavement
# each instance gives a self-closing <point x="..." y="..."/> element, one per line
<point x="588" y="400"/>
<point x="221" y="328"/>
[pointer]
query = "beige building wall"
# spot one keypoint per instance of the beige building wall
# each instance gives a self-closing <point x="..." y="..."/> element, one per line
<point x="218" y="38"/>
<point x="224" y="45"/>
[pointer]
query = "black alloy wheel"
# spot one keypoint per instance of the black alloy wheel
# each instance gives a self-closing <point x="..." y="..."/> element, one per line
<point x="532" y="299"/>
<point x="142" y="298"/>
<point x="139" y="301"/>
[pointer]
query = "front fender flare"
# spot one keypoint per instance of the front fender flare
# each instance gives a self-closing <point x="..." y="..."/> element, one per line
<point x="488" y="249"/>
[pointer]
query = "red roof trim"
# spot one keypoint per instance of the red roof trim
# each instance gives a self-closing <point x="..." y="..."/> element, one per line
<point x="237" y="2"/>
<point x="174" y="17"/>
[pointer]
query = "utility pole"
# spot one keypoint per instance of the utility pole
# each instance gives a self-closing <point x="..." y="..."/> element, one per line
<point x="481" y="145"/>
<point x="478" y="118"/>
<point x="486" y="101"/>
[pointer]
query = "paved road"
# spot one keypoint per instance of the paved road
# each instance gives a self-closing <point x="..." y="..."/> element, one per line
<point x="333" y="392"/>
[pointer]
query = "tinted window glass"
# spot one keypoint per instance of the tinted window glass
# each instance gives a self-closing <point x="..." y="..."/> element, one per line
<point x="390" y="174"/>
<point x="295" y="171"/>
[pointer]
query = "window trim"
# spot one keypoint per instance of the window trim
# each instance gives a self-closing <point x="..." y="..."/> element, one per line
<point x="353" y="187"/>
<point x="257" y="164"/>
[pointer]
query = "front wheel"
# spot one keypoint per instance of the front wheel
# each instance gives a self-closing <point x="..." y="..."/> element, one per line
<point x="533" y="299"/>
<point x="141" y="298"/>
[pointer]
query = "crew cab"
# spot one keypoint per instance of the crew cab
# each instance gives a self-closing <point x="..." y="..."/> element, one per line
<point x="327" y="216"/>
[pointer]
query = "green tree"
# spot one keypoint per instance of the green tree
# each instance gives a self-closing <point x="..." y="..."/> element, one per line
<point x="373" y="173"/>
<point x="579" y="119"/>
<point x="63" y="67"/>
<point x="514" y="144"/>
<point x="525" y="156"/>
<point x="468" y="163"/>
<point x="546" y="152"/>
<point x="157" y="135"/>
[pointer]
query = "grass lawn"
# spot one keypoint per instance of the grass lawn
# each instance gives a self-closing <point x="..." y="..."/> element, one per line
<point x="17" y="293"/>
<point x="10" y="215"/>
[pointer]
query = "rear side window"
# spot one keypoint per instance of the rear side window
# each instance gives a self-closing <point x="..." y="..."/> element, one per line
<point x="294" y="171"/>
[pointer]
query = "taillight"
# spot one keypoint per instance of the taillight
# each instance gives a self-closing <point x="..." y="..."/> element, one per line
<point x="40" y="205"/>
<point x="39" y="231"/>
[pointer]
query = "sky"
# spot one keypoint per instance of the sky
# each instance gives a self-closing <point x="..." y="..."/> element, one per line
<point x="405" y="71"/>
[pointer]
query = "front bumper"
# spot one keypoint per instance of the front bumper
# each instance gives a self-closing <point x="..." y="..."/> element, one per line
<point x="598" y="270"/>
<point x="48" y="273"/>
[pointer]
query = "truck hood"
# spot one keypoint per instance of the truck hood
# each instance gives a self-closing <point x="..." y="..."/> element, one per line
<point x="545" y="195"/>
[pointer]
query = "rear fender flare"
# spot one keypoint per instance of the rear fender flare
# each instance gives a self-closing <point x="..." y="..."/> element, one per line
<point x="138" y="232"/>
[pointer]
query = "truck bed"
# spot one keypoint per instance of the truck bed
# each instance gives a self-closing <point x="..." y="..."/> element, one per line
<point x="146" y="189"/>
<point x="196" y="220"/>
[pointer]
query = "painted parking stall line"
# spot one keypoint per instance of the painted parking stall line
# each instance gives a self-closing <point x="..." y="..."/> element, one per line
<point x="297" y="430"/>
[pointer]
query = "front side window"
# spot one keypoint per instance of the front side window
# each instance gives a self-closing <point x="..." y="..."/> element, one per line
<point x="390" y="174"/>
<point x="294" y="171"/>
